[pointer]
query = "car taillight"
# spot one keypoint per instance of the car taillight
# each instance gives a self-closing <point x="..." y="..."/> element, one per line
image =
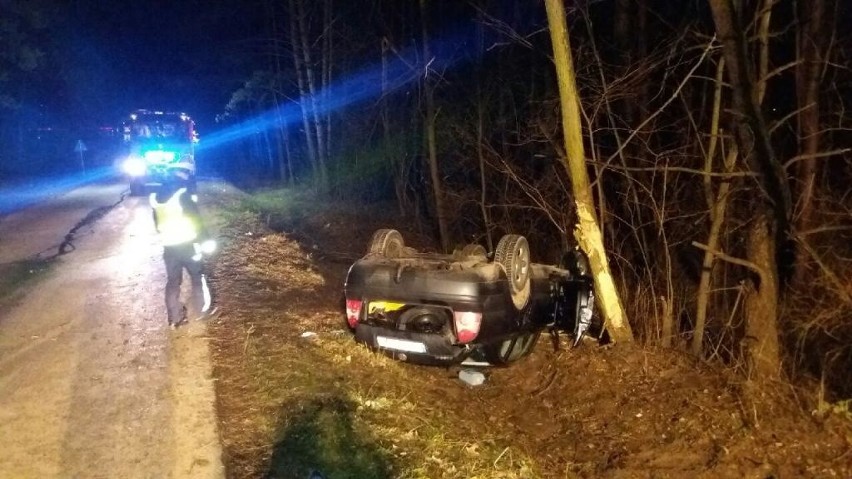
<point x="353" y="311"/>
<point x="467" y="325"/>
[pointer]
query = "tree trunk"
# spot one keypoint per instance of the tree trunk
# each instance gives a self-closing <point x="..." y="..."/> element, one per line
<point x="480" y="132"/>
<point x="322" y="152"/>
<point x="327" y="67"/>
<point x="750" y="127"/>
<point x="716" y="209"/>
<point x="718" y="201"/>
<point x="393" y="158"/>
<point x="287" y="159"/>
<point x="713" y="240"/>
<point x="310" y="143"/>
<point x="811" y="43"/>
<point x="587" y="232"/>
<point x="275" y="59"/>
<point x="269" y="151"/>
<point x="766" y="235"/>
<point x="429" y="130"/>
<point x="761" y="341"/>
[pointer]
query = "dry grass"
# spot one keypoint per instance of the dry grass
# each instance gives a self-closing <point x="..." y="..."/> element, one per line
<point x="818" y="332"/>
<point x="289" y="404"/>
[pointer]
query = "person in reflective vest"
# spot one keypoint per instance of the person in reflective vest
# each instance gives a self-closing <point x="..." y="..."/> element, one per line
<point x="185" y="243"/>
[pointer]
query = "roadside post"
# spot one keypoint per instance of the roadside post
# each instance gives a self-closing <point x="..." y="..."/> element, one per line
<point x="79" y="148"/>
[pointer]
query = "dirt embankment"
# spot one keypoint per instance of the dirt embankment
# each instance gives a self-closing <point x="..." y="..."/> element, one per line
<point x="296" y="394"/>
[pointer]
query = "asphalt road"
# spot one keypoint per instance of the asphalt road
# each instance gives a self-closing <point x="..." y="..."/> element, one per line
<point x="92" y="382"/>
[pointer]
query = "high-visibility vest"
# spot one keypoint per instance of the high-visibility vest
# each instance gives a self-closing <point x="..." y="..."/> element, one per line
<point x="173" y="225"/>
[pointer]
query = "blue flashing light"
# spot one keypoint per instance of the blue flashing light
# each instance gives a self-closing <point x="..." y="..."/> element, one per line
<point x="361" y="86"/>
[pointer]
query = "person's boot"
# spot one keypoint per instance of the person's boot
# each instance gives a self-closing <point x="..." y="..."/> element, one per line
<point x="211" y="313"/>
<point x="174" y="324"/>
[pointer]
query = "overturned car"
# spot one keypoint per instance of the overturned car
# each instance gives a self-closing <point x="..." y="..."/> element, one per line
<point x="467" y="307"/>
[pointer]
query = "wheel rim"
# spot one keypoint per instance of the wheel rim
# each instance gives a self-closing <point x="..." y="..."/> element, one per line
<point x="520" y="266"/>
<point x="513" y="256"/>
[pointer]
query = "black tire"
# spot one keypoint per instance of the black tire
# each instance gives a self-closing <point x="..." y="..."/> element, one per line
<point x="420" y="319"/>
<point x="511" y="350"/>
<point x="387" y="243"/>
<point x="471" y="250"/>
<point x="513" y="255"/>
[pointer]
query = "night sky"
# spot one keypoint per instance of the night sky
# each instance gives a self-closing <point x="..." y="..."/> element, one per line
<point x="190" y="55"/>
<point x="114" y="57"/>
<point x="104" y="59"/>
<point x="101" y="60"/>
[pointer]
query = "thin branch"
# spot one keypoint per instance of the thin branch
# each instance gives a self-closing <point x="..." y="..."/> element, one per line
<point x="681" y="169"/>
<point x="777" y="71"/>
<point x="776" y="124"/>
<point x="824" y="229"/>
<point x="840" y="288"/>
<point x="533" y="193"/>
<point x="730" y="259"/>
<point x="505" y="29"/>
<point x="672" y="98"/>
<point x="823" y="154"/>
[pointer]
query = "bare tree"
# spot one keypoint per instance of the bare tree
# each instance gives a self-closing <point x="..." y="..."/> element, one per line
<point x="312" y="91"/>
<point x="587" y="232"/>
<point x="812" y="37"/>
<point x="429" y="130"/>
<point x="285" y="163"/>
<point x="304" y="92"/>
<point x="719" y="200"/>
<point x="768" y="231"/>
<point x="327" y="73"/>
<point x="480" y="133"/>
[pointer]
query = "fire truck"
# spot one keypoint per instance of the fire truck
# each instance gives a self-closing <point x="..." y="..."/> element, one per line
<point x="154" y="143"/>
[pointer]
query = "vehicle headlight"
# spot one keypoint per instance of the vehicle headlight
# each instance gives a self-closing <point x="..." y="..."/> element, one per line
<point x="134" y="166"/>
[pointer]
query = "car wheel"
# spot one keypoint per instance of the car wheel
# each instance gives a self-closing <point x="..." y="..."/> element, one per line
<point x="513" y="255"/>
<point x="387" y="243"/>
<point x="510" y="350"/>
<point x="421" y="319"/>
<point x="470" y="250"/>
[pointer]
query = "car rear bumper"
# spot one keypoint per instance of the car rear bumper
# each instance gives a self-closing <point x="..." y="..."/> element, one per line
<point x="411" y="346"/>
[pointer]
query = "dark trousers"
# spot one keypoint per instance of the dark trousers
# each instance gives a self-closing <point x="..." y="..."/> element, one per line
<point x="178" y="258"/>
